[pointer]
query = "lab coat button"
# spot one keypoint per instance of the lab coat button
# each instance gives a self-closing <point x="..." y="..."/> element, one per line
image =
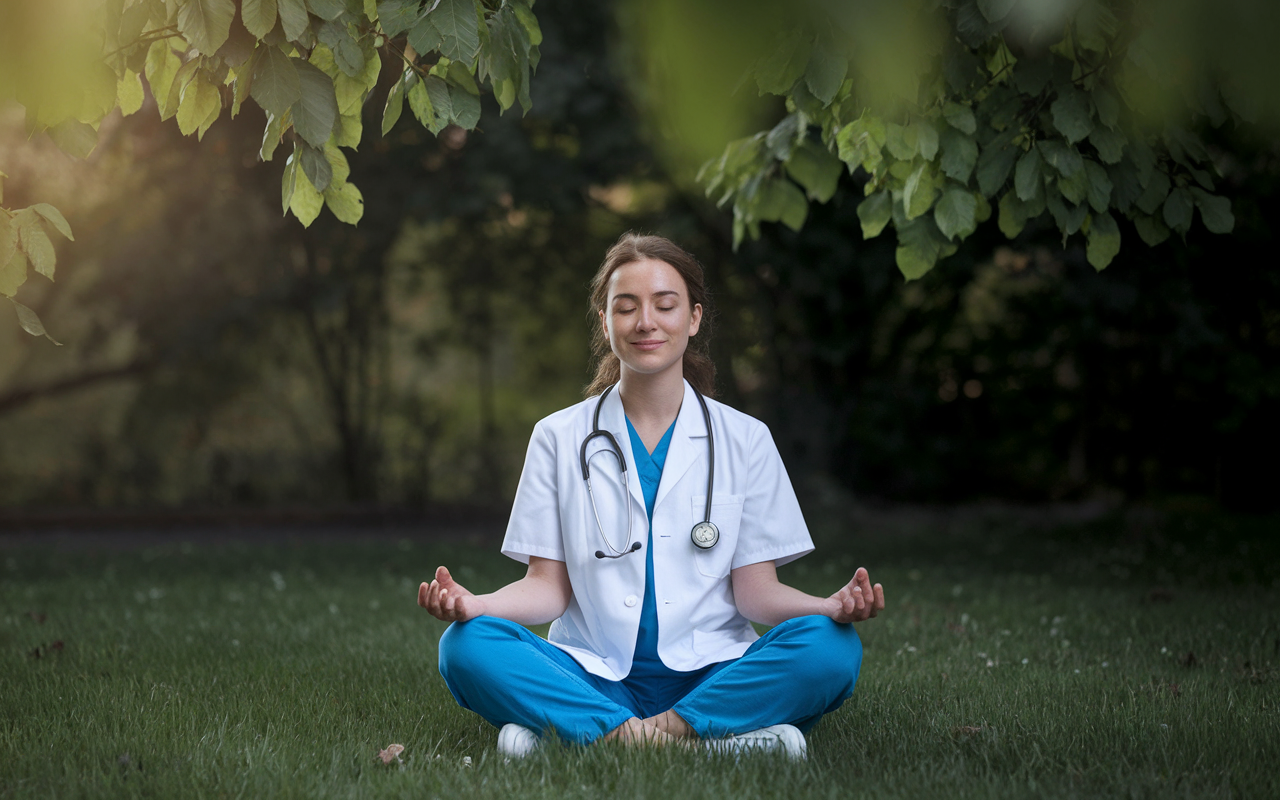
<point x="631" y="601"/>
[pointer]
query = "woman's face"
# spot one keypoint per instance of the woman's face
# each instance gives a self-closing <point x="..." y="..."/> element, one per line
<point x="648" y="317"/>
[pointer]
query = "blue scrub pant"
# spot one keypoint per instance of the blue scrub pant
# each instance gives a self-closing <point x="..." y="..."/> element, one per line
<point x="795" y="673"/>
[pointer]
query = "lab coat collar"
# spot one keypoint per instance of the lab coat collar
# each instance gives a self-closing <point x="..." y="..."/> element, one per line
<point x="687" y="441"/>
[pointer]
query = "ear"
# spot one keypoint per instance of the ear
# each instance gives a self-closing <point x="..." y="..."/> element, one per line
<point x="695" y="319"/>
<point x="604" y="323"/>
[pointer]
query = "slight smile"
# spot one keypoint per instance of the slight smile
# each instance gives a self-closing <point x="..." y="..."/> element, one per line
<point x="648" y="344"/>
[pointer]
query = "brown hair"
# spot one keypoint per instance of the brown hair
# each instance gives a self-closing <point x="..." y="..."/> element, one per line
<point x="630" y="248"/>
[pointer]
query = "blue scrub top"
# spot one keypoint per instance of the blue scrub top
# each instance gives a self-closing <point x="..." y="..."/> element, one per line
<point x="647" y="667"/>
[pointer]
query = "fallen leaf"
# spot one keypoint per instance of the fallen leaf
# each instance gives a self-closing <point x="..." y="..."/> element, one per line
<point x="392" y="753"/>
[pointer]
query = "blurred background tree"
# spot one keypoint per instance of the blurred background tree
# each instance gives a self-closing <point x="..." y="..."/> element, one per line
<point x="218" y="354"/>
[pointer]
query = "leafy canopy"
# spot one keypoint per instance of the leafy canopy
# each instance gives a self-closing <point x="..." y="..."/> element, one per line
<point x="1069" y="113"/>
<point x="311" y="65"/>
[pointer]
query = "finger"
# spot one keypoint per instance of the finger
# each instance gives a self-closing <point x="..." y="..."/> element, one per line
<point x="446" y="601"/>
<point x="858" y="600"/>
<point x="849" y="605"/>
<point x="443" y="576"/>
<point x="433" y="599"/>
<point x="864" y="581"/>
<point x="879" y="597"/>
<point x="422" y="594"/>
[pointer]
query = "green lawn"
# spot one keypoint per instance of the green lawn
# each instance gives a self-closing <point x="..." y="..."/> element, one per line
<point x="1134" y="656"/>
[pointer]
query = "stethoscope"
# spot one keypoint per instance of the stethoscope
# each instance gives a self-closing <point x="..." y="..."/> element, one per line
<point x="705" y="534"/>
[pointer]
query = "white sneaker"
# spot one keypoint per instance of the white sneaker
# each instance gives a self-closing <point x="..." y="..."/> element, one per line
<point x="517" y="741"/>
<point x="786" y="738"/>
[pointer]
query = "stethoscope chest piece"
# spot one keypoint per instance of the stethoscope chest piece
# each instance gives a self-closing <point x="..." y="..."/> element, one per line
<point x="705" y="535"/>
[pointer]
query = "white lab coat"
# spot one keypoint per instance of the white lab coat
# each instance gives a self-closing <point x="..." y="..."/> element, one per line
<point x="754" y="507"/>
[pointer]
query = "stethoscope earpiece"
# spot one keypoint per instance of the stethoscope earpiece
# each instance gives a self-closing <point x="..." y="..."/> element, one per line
<point x="634" y="547"/>
<point x="705" y="534"/>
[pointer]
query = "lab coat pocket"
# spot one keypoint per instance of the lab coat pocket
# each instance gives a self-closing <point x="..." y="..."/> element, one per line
<point x="726" y="513"/>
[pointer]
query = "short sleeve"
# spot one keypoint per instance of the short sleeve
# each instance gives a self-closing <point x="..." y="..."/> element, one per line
<point x="534" y="527"/>
<point x="772" y="527"/>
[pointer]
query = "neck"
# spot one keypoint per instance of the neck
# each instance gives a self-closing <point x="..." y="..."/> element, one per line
<point x="652" y="399"/>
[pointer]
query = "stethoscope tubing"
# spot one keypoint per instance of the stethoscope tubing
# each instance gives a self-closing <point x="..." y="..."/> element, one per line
<point x="616" y="450"/>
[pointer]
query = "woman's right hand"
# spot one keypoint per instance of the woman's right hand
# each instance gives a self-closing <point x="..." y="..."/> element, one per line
<point x="448" y="600"/>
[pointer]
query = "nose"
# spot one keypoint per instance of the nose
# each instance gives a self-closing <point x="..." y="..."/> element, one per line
<point x="645" y="321"/>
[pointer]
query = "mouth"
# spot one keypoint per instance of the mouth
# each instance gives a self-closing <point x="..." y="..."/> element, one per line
<point x="648" y="344"/>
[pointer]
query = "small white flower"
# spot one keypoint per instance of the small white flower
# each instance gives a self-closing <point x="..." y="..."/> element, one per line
<point x="1104" y="664"/>
<point x="466" y="761"/>
<point x="990" y="663"/>
<point x="1026" y="661"/>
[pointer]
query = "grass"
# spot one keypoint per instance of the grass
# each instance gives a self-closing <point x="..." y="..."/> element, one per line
<point x="1134" y="655"/>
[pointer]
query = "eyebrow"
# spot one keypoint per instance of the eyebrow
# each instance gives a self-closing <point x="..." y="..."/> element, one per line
<point x="636" y="299"/>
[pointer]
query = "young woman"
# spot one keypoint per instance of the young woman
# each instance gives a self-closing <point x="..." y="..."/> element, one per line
<point x="652" y="520"/>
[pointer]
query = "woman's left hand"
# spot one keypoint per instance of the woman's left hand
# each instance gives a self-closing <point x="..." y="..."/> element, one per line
<point x="856" y="601"/>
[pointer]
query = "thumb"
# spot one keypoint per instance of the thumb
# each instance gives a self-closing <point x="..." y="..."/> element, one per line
<point x="443" y="576"/>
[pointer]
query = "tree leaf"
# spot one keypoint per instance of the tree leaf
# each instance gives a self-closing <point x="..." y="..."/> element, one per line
<point x="1103" y="241"/>
<point x="35" y="242"/>
<point x="1109" y="144"/>
<point x="294" y="19"/>
<point x="1177" y="210"/>
<point x="345" y="49"/>
<point x="995" y="164"/>
<point x="394" y="107"/>
<point x="199" y="99"/>
<point x="1095" y="26"/>
<point x="826" y="71"/>
<point x="129" y="93"/>
<point x="1073" y="115"/>
<point x="271" y="135"/>
<point x="959" y="154"/>
<point x="13" y="269"/>
<point x="422" y="107"/>
<point x="162" y="65"/>
<point x="258" y="16"/>
<point x="75" y="138"/>
<point x="816" y="169"/>
<point x="960" y="117"/>
<point x="327" y="9"/>
<point x="276" y="85"/>
<point x="1154" y="195"/>
<point x="1013" y="215"/>
<point x="901" y="141"/>
<point x="465" y="106"/>
<point x="1125" y="188"/>
<point x="397" y="16"/>
<point x="926" y="139"/>
<point x="306" y="202"/>
<point x="1151" y="229"/>
<point x="782" y="201"/>
<point x="1068" y="217"/>
<point x="1107" y="106"/>
<point x="316" y="111"/>
<point x="779" y="71"/>
<point x="315" y="166"/>
<point x="1215" y="211"/>
<point x="919" y="245"/>
<point x="1099" y="191"/>
<point x="1066" y="160"/>
<point x="874" y="213"/>
<point x="441" y="101"/>
<point x="30" y="322"/>
<point x="452" y="27"/>
<point x="289" y="179"/>
<point x="956" y="212"/>
<point x="205" y="23"/>
<point x="349" y="131"/>
<point x="996" y="10"/>
<point x="1027" y="177"/>
<point x="919" y="193"/>
<point x="59" y="222"/>
<point x="346" y="202"/>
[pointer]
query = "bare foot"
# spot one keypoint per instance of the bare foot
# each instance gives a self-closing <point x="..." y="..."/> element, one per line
<point x="672" y="724"/>
<point x="639" y="732"/>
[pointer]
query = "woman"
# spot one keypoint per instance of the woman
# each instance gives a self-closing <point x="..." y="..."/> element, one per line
<point x="651" y="639"/>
